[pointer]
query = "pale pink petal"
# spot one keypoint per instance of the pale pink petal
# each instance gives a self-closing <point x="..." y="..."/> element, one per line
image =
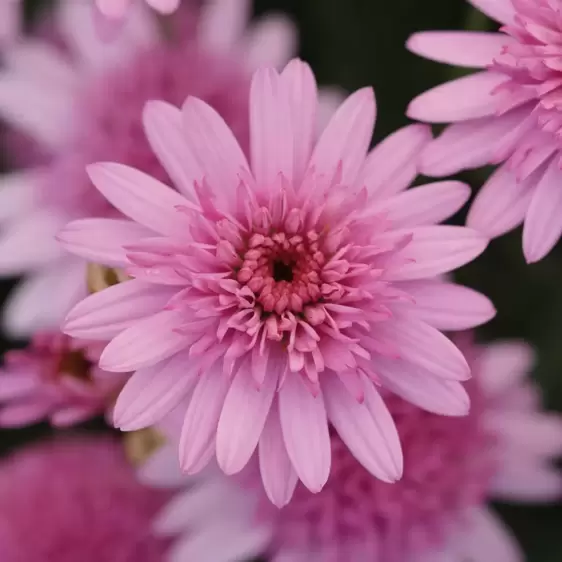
<point x="271" y="131"/>
<point x="277" y="472"/>
<point x="527" y="482"/>
<point x="503" y="365"/>
<point x="72" y="415"/>
<point x="308" y="450"/>
<point x="468" y="97"/>
<point x="393" y="164"/>
<point x="439" y="249"/>
<point x="501" y="203"/>
<point x="105" y="314"/>
<point x="10" y="21"/>
<point x="243" y="417"/>
<point x="202" y="418"/>
<point x="163" y="125"/>
<point x="499" y="10"/>
<point x="146" y="342"/>
<point x="214" y="147"/>
<point x="140" y="197"/>
<point x="24" y="413"/>
<point x="543" y="221"/>
<point x="16" y="385"/>
<point x="222" y="24"/>
<point x="162" y="469"/>
<point x="113" y="8"/>
<point x="101" y="240"/>
<point x="447" y="306"/>
<point x="347" y="137"/>
<point x="17" y="193"/>
<point x="271" y="41"/>
<point x="164" y="6"/>
<point x="425" y="205"/>
<point x="367" y="429"/>
<point x="475" y="49"/>
<point x="151" y="393"/>
<point x="414" y="384"/>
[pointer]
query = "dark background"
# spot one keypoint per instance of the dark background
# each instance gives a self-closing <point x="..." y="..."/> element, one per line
<point x="355" y="43"/>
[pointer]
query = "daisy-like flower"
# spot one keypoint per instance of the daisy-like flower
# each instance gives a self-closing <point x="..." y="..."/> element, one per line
<point x="279" y="293"/>
<point x="508" y="113"/>
<point x="76" y="499"/>
<point x="84" y="103"/>
<point x="438" y="512"/>
<point x="56" y="377"/>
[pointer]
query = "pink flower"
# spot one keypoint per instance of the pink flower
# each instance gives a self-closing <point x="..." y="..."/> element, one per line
<point x="84" y="104"/>
<point x="509" y="113"/>
<point x="438" y="512"/>
<point x="56" y="377"/>
<point x="278" y="295"/>
<point x="76" y="499"/>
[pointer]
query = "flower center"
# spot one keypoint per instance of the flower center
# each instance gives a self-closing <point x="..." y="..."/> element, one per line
<point x="75" y="364"/>
<point x="282" y="271"/>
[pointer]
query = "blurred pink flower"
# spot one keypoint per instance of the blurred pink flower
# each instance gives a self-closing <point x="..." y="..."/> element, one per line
<point x="502" y="450"/>
<point x="76" y="500"/>
<point x="84" y="104"/>
<point x="509" y="113"/>
<point x="55" y="377"/>
<point x="280" y="294"/>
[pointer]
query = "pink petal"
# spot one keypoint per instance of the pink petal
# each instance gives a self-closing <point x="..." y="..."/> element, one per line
<point x="347" y="137"/>
<point x="528" y="483"/>
<point x="475" y="49"/>
<point x="279" y="477"/>
<point x="16" y="385"/>
<point x="468" y="97"/>
<point x="447" y="306"/>
<point x="222" y="24"/>
<point x="202" y="418"/>
<point x="305" y="431"/>
<point x="501" y="204"/>
<point x="105" y="314"/>
<point x="164" y="6"/>
<point x="140" y="197"/>
<point x="145" y="343"/>
<point x="101" y="240"/>
<point x="414" y="384"/>
<point x="425" y="205"/>
<point x="17" y="193"/>
<point x="243" y="417"/>
<point x="153" y="392"/>
<point x="543" y="222"/>
<point x="24" y="413"/>
<point x="163" y="126"/>
<point x="214" y="147"/>
<point x="393" y="164"/>
<point x="162" y="469"/>
<point x="73" y="415"/>
<point x="439" y="249"/>
<point x="367" y="429"/>
<point x="271" y="134"/>
<point x="499" y="10"/>
<point x="113" y="8"/>
<point x="300" y="83"/>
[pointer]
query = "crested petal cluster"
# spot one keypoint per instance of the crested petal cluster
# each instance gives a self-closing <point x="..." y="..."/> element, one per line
<point x="277" y="294"/>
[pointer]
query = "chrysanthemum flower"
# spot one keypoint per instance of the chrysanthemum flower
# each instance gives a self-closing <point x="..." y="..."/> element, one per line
<point x="438" y="512"/>
<point x="280" y="293"/>
<point x="509" y="113"/>
<point x="76" y="500"/>
<point x="55" y="377"/>
<point x="84" y="104"/>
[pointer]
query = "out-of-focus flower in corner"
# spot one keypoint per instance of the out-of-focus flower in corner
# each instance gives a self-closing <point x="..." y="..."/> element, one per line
<point x="76" y="499"/>
<point x="84" y="103"/>
<point x="438" y="512"/>
<point x="56" y="377"/>
<point x="507" y="113"/>
<point x="279" y="294"/>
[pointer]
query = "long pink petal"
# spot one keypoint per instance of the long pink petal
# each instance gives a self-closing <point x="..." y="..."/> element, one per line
<point x="543" y="221"/>
<point x="146" y="342"/>
<point x="473" y="49"/>
<point x="367" y="429"/>
<point x="16" y="385"/>
<point x="469" y="97"/>
<point x="527" y="482"/>
<point x="308" y="450"/>
<point x="419" y="387"/>
<point x="243" y="417"/>
<point x="346" y="138"/>
<point x="101" y="240"/>
<point x="140" y="197"/>
<point x="277" y="472"/>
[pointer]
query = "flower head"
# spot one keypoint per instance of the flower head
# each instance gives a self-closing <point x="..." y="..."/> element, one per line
<point x="84" y="103"/>
<point x="509" y="113"/>
<point x="55" y="377"/>
<point x="278" y="294"/>
<point x="503" y="449"/>
<point x="76" y="499"/>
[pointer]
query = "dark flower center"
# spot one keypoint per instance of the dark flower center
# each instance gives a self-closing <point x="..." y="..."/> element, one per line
<point x="282" y="271"/>
<point x="75" y="364"/>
